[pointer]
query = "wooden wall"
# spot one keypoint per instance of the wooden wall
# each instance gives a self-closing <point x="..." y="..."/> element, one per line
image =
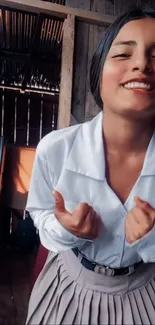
<point x="17" y="175"/>
<point x="87" y="36"/>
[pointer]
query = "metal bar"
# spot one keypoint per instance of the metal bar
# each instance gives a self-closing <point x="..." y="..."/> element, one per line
<point x="28" y="90"/>
<point x="28" y="123"/>
<point x="23" y="58"/>
<point x="41" y="118"/>
<point x="10" y="29"/>
<point x="16" y="26"/>
<point x="2" y="123"/>
<point x="15" y="122"/>
<point x="4" y="28"/>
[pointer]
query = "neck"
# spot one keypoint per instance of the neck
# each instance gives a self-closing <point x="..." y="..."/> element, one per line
<point x="126" y="136"/>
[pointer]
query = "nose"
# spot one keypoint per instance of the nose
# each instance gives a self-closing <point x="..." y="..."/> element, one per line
<point x="142" y="63"/>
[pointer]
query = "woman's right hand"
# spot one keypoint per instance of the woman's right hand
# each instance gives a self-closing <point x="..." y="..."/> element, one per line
<point x="83" y="222"/>
<point x="139" y="221"/>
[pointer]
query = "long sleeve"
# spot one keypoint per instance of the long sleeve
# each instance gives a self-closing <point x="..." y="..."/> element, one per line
<point x="146" y="246"/>
<point x="40" y="205"/>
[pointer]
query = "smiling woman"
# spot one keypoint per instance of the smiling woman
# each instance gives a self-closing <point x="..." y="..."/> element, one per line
<point x="134" y="43"/>
<point x="129" y="69"/>
<point x="92" y="193"/>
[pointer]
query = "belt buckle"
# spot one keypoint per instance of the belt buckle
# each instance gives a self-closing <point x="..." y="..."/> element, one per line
<point x="104" y="270"/>
<point x="131" y="270"/>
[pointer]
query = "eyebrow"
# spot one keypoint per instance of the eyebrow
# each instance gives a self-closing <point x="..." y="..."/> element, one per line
<point x="131" y="43"/>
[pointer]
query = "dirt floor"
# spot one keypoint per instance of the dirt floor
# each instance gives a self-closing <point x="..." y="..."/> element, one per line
<point x="15" y="285"/>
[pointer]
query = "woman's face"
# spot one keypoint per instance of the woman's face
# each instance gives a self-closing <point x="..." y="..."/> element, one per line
<point x="128" y="79"/>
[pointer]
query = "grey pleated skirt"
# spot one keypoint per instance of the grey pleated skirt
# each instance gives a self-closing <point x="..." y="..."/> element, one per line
<point x="67" y="293"/>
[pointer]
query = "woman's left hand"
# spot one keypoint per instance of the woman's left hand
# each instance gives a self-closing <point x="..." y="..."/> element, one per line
<point x="139" y="221"/>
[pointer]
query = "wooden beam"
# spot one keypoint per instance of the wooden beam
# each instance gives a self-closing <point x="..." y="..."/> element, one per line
<point x="22" y="57"/>
<point x="60" y="11"/>
<point x="30" y="90"/>
<point x="65" y="98"/>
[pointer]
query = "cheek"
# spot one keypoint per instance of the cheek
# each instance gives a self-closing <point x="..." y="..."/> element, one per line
<point x="112" y="76"/>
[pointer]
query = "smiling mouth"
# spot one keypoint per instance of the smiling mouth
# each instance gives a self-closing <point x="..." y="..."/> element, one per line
<point x="139" y="86"/>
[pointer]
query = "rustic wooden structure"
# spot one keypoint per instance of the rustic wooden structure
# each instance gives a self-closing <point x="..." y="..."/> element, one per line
<point x="39" y="92"/>
<point x="86" y="38"/>
<point x="45" y="54"/>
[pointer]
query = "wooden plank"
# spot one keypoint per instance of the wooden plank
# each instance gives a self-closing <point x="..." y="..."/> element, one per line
<point x="108" y="7"/>
<point x="95" y="33"/>
<point x="147" y="4"/>
<point x="122" y="6"/>
<point x="80" y="63"/>
<point x="65" y="98"/>
<point x="80" y="71"/>
<point x="59" y="11"/>
<point x="73" y="120"/>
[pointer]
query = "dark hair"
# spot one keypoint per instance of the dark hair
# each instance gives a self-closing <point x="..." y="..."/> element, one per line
<point x="104" y="45"/>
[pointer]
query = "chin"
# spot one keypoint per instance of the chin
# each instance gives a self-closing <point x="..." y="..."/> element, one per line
<point x="138" y="112"/>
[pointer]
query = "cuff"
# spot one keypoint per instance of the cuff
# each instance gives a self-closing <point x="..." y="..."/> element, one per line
<point x="66" y="236"/>
<point x="145" y="246"/>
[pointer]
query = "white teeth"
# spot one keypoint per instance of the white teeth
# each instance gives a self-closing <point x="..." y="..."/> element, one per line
<point x="135" y="84"/>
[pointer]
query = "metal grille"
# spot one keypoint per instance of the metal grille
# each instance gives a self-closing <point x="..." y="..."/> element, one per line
<point x="30" y="50"/>
<point x="26" y="118"/>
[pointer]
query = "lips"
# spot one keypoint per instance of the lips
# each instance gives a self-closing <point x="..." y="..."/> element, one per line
<point x="144" y="85"/>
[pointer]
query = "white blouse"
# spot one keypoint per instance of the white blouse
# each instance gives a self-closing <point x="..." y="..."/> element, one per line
<point x="72" y="161"/>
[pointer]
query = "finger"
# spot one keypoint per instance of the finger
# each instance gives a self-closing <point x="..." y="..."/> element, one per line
<point x="142" y="218"/>
<point x="139" y="222"/>
<point x="146" y="207"/>
<point x="142" y="203"/>
<point x="85" y="222"/>
<point x="59" y="203"/>
<point x="81" y="211"/>
<point x="94" y="222"/>
<point x="90" y="226"/>
<point x="97" y="226"/>
<point x="130" y="238"/>
<point x="134" y="225"/>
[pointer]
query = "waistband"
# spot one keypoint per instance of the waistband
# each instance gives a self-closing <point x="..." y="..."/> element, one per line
<point x="105" y="270"/>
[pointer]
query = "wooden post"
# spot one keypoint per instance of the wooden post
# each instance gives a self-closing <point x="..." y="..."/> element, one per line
<point x="95" y="33"/>
<point x="80" y="62"/>
<point x="65" y="98"/>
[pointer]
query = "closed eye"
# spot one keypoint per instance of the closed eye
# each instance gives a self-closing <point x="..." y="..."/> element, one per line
<point x="122" y="55"/>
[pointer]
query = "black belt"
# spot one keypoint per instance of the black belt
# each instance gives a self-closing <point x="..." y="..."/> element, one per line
<point x="104" y="269"/>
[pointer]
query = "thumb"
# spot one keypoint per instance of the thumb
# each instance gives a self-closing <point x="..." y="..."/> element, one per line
<point x="141" y="203"/>
<point x="59" y="203"/>
<point x="145" y="206"/>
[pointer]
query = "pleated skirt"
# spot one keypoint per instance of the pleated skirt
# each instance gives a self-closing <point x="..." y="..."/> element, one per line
<point x="67" y="293"/>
